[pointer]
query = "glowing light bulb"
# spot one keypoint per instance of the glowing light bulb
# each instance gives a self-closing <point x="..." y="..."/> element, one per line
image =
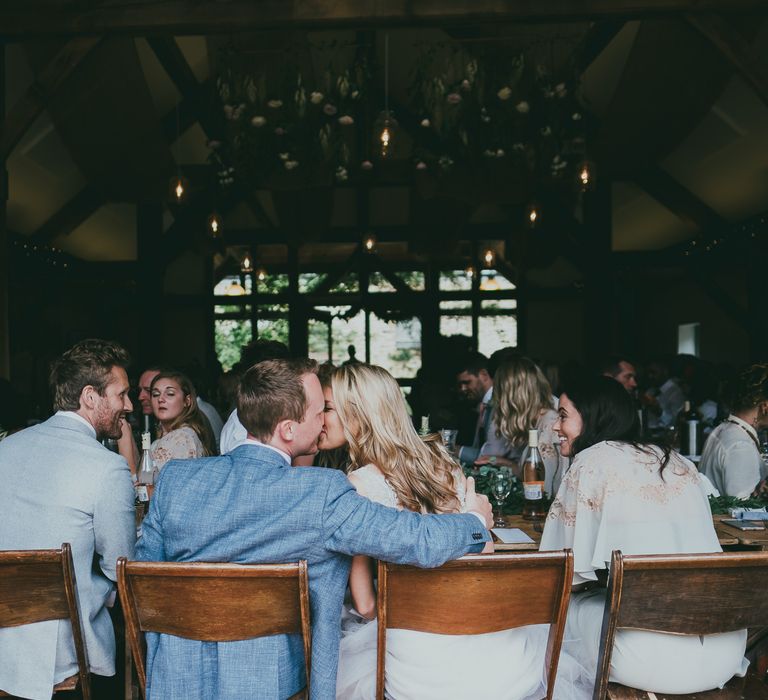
<point x="470" y="272"/>
<point x="246" y="265"/>
<point x="214" y="224"/>
<point x="386" y="137"/>
<point x="261" y="274"/>
<point x="179" y="190"/>
<point x="584" y="176"/>
<point x="370" y="243"/>
<point x="488" y="257"/>
<point x="533" y="215"/>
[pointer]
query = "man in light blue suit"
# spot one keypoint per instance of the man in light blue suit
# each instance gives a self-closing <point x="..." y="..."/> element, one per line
<point x="252" y="506"/>
<point x="60" y="484"/>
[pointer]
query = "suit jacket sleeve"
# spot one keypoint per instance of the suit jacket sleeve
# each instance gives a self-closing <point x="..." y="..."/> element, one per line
<point x="354" y="525"/>
<point x="114" y="525"/>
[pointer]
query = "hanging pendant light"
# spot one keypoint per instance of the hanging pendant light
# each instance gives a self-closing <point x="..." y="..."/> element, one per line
<point x="532" y="215"/>
<point x="585" y="177"/>
<point x="489" y="257"/>
<point x="246" y="266"/>
<point x="386" y="126"/>
<point x="369" y="243"/>
<point x="178" y="189"/>
<point x="261" y="274"/>
<point x="214" y="225"/>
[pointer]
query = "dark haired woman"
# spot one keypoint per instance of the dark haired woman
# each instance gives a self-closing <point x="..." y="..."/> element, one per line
<point x="184" y="431"/>
<point x="731" y="456"/>
<point x="623" y="494"/>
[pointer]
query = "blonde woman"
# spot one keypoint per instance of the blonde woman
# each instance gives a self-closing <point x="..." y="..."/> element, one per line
<point x="392" y="465"/>
<point x="522" y="400"/>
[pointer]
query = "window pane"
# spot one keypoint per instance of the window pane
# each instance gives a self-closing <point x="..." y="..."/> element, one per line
<point x="308" y="281"/>
<point x="318" y="332"/>
<point x="240" y="309"/>
<point x="347" y="284"/>
<point x="233" y="286"/>
<point x="456" y="325"/>
<point x="397" y="346"/>
<point x="346" y="332"/>
<point x="455" y="281"/>
<point x="498" y="304"/>
<point x="230" y="336"/>
<point x="496" y="332"/>
<point x="378" y="283"/>
<point x="272" y="284"/>
<point x="415" y="280"/>
<point x="272" y="329"/>
<point x="465" y="306"/>
<point x="492" y="281"/>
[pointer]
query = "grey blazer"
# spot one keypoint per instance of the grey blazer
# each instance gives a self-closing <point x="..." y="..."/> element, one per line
<point x="251" y="506"/>
<point x="59" y="484"/>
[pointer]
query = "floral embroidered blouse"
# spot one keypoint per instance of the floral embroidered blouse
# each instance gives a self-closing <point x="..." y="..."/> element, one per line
<point x="613" y="497"/>
<point x="182" y="443"/>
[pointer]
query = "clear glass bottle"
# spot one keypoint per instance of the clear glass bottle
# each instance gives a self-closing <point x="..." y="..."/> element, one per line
<point x="689" y="431"/>
<point x="535" y="505"/>
<point x="145" y="478"/>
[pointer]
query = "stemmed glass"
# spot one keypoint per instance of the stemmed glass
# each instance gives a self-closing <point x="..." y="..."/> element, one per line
<point x="500" y="488"/>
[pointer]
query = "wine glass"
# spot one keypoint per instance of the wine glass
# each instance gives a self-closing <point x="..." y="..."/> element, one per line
<point x="501" y="485"/>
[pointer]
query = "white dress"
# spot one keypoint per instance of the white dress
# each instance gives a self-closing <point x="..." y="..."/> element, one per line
<point x="614" y="498"/>
<point x="505" y="665"/>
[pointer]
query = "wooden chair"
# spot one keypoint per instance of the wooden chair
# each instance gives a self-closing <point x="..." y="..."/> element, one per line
<point x="497" y="592"/>
<point x="212" y="603"/>
<point x="38" y="585"/>
<point x="684" y="594"/>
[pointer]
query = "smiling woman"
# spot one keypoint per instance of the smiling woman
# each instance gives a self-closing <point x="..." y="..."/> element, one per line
<point x="184" y="431"/>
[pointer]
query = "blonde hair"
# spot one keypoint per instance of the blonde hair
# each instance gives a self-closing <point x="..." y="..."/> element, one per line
<point x="521" y="393"/>
<point x="379" y="431"/>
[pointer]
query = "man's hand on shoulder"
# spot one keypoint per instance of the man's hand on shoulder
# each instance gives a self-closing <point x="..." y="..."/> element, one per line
<point x="477" y="503"/>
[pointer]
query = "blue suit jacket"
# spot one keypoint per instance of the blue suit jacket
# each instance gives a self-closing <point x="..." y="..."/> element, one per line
<point x="251" y="506"/>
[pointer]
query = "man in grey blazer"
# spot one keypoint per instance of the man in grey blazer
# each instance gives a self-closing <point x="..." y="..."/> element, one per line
<point x="252" y="506"/>
<point x="61" y="485"/>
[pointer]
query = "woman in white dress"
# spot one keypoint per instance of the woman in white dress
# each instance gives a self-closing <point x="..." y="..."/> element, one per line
<point x="522" y="400"/>
<point x="392" y="465"/>
<point x="623" y="494"/>
<point x="184" y="431"/>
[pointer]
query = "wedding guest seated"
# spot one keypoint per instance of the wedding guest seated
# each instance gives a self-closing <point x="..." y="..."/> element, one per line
<point x="622" y="370"/>
<point x="252" y="506"/>
<point x="184" y="431"/>
<point x="522" y="401"/>
<point x="621" y="493"/>
<point x="731" y="456"/>
<point x="393" y="466"/>
<point x="475" y="384"/>
<point x="60" y="484"/>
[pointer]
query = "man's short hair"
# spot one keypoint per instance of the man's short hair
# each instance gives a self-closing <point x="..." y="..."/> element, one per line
<point x="271" y="391"/>
<point x="612" y="365"/>
<point x="87" y="363"/>
<point x="472" y="362"/>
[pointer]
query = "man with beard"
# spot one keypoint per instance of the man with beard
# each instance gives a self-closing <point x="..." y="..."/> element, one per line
<point x="60" y="484"/>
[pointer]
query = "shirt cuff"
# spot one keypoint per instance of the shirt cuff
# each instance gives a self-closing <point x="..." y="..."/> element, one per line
<point x="479" y="517"/>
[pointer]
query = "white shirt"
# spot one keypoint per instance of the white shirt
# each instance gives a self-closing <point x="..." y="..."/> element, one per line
<point x="731" y="458"/>
<point x="214" y="419"/>
<point x="671" y="399"/>
<point x="77" y="416"/>
<point x="233" y="434"/>
<point x="254" y="441"/>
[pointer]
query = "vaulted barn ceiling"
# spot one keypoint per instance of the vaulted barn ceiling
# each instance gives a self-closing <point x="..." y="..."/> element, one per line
<point x="678" y="106"/>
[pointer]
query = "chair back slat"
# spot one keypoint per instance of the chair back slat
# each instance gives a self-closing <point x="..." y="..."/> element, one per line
<point x="477" y="595"/>
<point x="692" y="594"/>
<point x="40" y="585"/>
<point x="213" y="602"/>
<point x="669" y="593"/>
<point x="31" y="587"/>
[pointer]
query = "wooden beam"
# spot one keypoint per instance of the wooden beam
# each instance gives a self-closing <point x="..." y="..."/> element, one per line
<point x="679" y="200"/>
<point x="599" y="35"/>
<point x="22" y="22"/>
<point x="87" y="201"/>
<point x="735" y="48"/>
<point x="48" y="82"/>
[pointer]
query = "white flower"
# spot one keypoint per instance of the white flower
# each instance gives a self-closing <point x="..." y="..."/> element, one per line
<point x="505" y="93"/>
<point x="329" y="109"/>
<point x="523" y="107"/>
<point x="445" y="162"/>
<point x="560" y="90"/>
<point x="355" y="94"/>
<point x="421" y="165"/>
<point x="341" y="173"/>
<point x="284" y="156"/>
<point x="453" y="98"/>
<point x="465" y="84"/>
<point x="499" y="152"/>
<point x="426" y="123"/>
<point x="316" y="97"/>
<point x="346" y="120"/>
<point x="275" y="104"/>
<point x="258" y="121"/>
<point x="366" y="165"/>
<point x="291" y="164"/>
<point x="576" y="116"/>
<point x="488" y="153"/>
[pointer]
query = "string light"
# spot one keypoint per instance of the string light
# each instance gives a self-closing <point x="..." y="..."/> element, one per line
<point x="488" y="257"/>
<point x="532" y="215"/>
<point x="369" y="243"/>
<point x="178" y="189"/>
<point x="214" y="225"/>
<point x="387" y="122"/>
<point x="261" y="274"/>
<point x="246" y="266"/>
<point x="586" y="176"/>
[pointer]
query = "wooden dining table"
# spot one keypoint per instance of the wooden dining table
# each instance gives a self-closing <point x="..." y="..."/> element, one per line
<point x="727" y="535"/>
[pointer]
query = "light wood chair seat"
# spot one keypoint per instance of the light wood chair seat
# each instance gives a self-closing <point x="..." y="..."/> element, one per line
<point x="691" y="594"/>
<point x="213" y="603"/>
<point x="498" y="592"/>
<point x="39" y="585"/>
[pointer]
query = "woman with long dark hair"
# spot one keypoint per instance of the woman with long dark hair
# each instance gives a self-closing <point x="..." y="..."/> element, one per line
<point x="623" y="493"/>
